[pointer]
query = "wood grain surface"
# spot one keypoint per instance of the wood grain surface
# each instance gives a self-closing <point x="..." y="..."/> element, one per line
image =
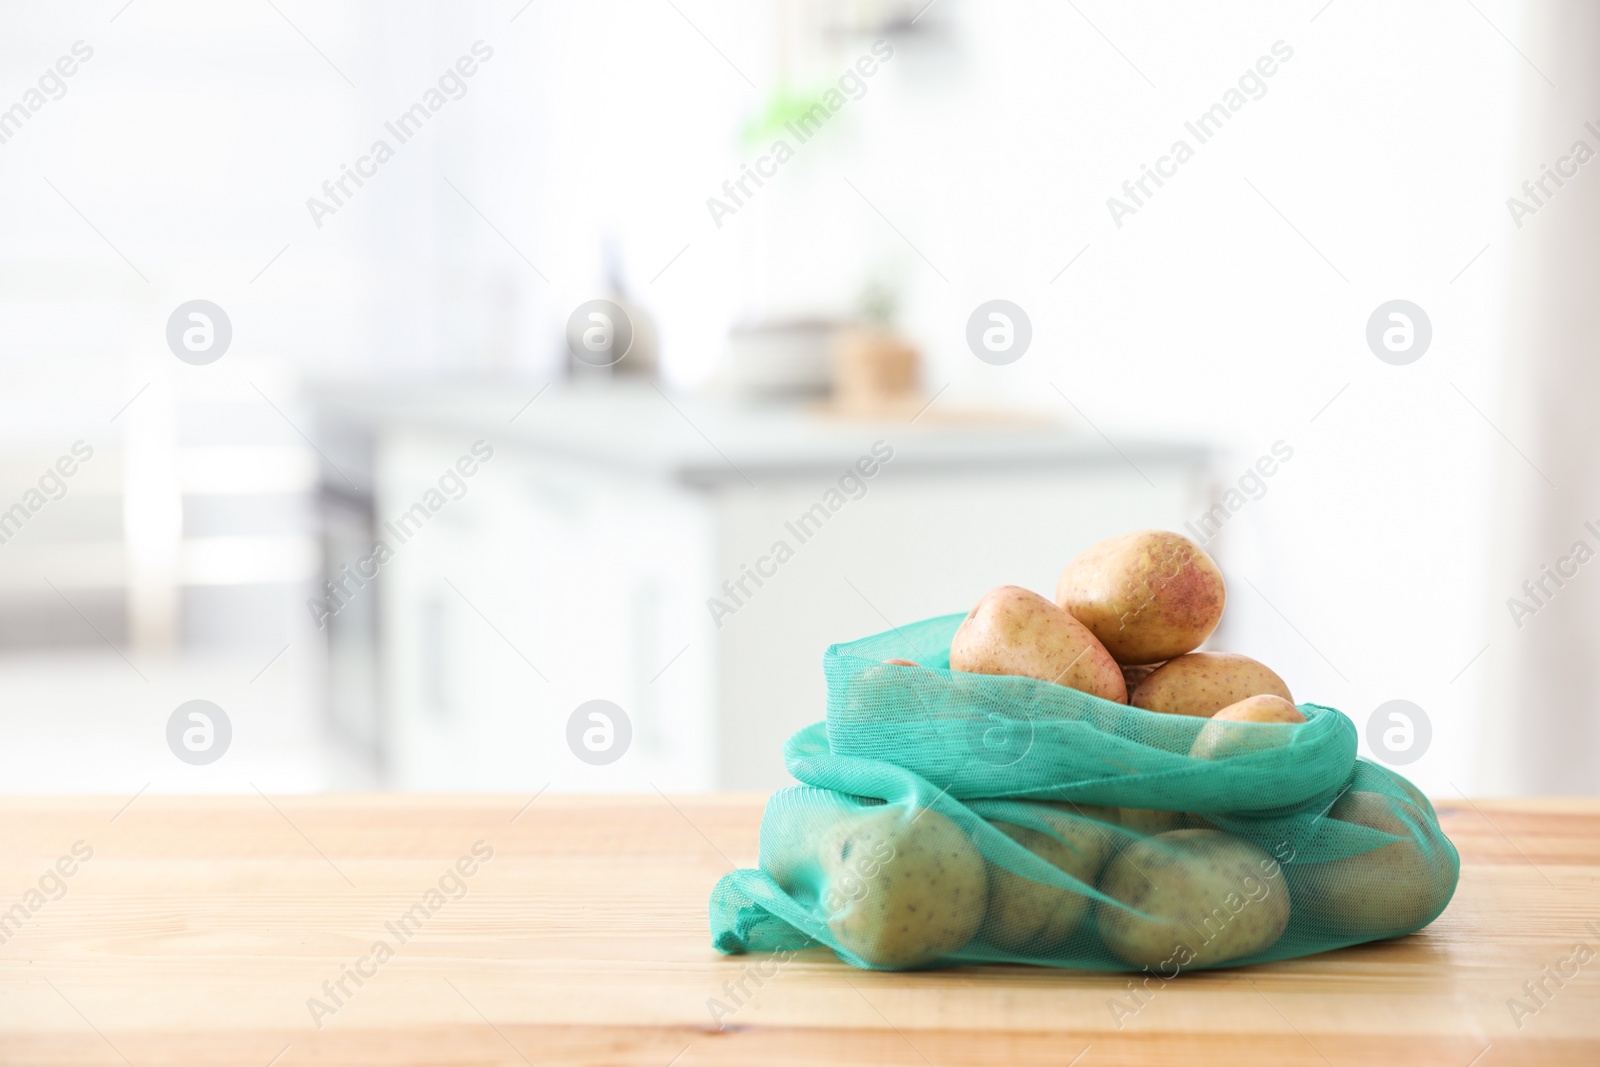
<point x="203" y="931"/>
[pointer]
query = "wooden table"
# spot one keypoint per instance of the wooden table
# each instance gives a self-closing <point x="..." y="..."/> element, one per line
<point x="200" y="929"/>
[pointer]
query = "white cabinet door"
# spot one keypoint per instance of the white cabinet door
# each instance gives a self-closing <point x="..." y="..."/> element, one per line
<point x="547" y="585"/>
<point x="916" y="545"/>
<point x="550" y="583"/>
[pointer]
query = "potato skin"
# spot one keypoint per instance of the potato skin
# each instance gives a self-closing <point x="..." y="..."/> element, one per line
<point x="1147" y="596"/>
<point x="1015" y="631"/>
<point x="1219" y="739"/>
<point x="1211" y="897"/>
<point x="905" y="888"/>
<point x="1203" y="683"/>
<point x="1417" y="796"/>
<point x="1388" y="891"/>
<point x="1029" y="917"/>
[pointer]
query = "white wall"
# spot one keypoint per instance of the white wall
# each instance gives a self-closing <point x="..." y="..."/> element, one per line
<point x="990" y="142"/>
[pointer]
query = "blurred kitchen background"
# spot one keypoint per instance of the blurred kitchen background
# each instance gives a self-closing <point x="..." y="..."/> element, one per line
<point x="403" y="341"/>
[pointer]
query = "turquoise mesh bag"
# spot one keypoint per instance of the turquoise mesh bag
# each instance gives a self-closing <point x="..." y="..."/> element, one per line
<point x="949" y="818"/>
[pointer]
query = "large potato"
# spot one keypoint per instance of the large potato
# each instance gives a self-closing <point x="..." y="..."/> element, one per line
<point x="904" y="887"/>
<point x="1417" y="796"/>
<point x="1029" y="917"/>
<point x="1147" y="596"/>
<point x="1207" y="894"/>
<point x="1223" y="737"/>
<point x="1015" y="631"/>
<point x="1203" y="683"/>
<point x="1390" y="890"/>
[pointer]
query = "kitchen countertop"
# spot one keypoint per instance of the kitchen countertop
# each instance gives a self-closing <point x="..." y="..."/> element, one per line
<point x="652" y="430"/>
<point x="200" y="928"/>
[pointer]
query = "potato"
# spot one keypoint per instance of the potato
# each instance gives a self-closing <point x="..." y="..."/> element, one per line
<point x="1029" y="917"/>
<point x="904" y="887"/>
<point x="1417" y="796"/>
<point x="1203" y="683"/>
<point x="1388" y="891"/>
<point x="1015" y="631"/>
<point x="883" y="689"/>
<point x="1221" y="737"/>
<point x="1209" y="898"/>
<point x="1147" y="596"/>
<point x="878" y="691"/>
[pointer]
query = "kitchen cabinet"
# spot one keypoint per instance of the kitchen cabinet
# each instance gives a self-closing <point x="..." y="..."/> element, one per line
<point x="689" y="561"/>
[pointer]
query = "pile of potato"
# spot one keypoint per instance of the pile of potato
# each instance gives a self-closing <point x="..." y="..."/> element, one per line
<point x="1127" y="618"/>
